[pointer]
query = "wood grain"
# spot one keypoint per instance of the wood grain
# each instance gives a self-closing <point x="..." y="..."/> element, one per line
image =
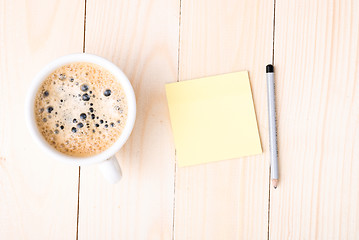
<point x="141" y="37"/>
<point x="316" y="57"/>
<point x="227" y="199"/>
<point x="38" y="195"/>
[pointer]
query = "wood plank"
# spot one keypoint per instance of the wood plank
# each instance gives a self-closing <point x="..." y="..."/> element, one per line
<point x="141" y="37"/>
<point x="38" y="195"/>
<point x="227" y="199"/>
<point x="317" y="62"/>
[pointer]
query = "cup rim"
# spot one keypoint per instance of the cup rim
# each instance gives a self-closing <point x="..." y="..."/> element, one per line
<point x="46" y="71"/>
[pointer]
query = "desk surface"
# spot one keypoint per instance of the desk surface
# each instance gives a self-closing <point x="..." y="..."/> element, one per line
<point x="315" y="48"/>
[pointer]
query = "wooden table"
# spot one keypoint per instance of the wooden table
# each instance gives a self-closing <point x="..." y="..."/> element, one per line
<point x="315" y="48"/>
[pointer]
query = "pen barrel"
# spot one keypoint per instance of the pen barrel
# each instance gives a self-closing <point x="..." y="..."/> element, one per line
<point x="272" y="126"/>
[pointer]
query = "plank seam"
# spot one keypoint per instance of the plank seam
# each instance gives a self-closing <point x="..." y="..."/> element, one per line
<point x="179" y="41"/>
<point x="178" y="77"/>
<point x="84" y="42"/>
<point x="79" y="179"/>
<point x="274" y="3"/>
<point x="268" y="216"/>
<point x="174" y="200"/>
<point x="78" y="205"/>
<point x="269" y="184"/>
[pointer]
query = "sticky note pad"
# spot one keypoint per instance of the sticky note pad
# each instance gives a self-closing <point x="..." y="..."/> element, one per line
<point x="213" y="118"/>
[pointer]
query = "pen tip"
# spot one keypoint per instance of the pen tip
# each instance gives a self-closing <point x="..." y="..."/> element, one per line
<point x="275" y="183"/>
<point x="269" y="68"/>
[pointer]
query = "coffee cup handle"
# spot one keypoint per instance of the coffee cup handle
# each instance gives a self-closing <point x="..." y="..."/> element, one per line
<point x="111" y="170"/>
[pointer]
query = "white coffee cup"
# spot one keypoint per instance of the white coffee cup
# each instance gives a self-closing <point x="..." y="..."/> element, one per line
<point x="106" y="160"/>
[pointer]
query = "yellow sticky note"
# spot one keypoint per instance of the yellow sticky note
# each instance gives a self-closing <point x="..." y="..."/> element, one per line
<point x="213" y="118"/>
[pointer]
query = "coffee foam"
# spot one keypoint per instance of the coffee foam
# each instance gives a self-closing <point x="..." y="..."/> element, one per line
<point x="81" y="109"/>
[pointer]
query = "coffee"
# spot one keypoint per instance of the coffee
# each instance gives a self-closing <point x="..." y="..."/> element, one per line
<point x="81" y="109"/>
